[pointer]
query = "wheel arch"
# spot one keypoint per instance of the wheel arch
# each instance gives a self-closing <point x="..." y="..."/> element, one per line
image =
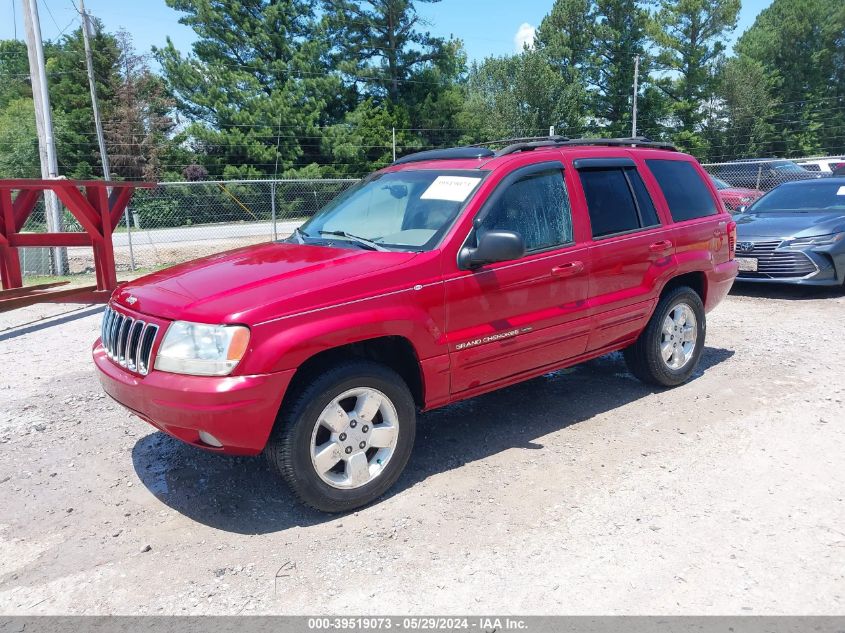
<point x="393" y="351"/>
<point x="696" y="280"/>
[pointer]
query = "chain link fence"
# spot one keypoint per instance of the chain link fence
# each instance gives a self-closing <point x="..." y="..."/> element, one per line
<point x="179" y="221"/>
<point x="741" y="182"/>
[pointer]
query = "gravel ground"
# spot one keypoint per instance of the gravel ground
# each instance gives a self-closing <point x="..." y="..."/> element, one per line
<point x="580" y="492"/>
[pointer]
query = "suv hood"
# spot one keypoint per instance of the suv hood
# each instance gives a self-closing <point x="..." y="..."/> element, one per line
<point x="249" y="284"/>
<point x="787" y="224"/>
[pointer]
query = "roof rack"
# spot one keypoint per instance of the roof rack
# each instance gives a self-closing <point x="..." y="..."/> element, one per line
<point x="558" y="141"/>
<point x="527" y="144"/>
<point x="447" y="154"/>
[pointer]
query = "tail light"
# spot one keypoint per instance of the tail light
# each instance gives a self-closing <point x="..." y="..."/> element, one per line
<point x="731" y="239"/>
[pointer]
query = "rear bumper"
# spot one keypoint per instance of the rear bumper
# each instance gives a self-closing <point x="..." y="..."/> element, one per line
<point x="237" y="410"/>
<point x="720" y="280"/>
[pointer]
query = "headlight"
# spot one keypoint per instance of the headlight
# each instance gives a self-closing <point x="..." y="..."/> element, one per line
<point x="818" y="240"/>
<point x="202" y="350"/>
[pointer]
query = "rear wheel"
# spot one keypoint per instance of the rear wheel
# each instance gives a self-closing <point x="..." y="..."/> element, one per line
<point x="668" y="350"/>
<point x="345" y="438"/>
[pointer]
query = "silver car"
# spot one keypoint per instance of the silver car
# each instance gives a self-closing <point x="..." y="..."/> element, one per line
<point x="794" y="234"/>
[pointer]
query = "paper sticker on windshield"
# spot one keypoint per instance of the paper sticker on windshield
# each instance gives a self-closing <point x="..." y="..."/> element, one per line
<point x="841" y="191"/>
<point x="452" y="188"/>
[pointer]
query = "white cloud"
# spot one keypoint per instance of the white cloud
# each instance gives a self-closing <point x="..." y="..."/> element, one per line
<point x="524" y="36"/>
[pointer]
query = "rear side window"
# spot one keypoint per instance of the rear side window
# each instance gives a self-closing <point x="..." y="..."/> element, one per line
<point x="617" y="200"/>
<point x="535" y="206"/>
<point x="686" y="194"/>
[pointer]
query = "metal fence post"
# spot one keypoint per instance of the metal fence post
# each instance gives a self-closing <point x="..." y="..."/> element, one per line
<point x="273" y="209"/>
<point x="129" y="238"/>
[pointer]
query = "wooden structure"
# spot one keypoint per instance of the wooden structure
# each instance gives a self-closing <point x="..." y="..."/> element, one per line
<point x="95" y="210"/>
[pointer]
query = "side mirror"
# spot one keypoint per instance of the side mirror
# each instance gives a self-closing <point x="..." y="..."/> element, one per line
<point x="493" y="246"/>
<point x="742" y="209"/>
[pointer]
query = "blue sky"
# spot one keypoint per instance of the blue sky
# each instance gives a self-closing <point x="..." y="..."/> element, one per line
<point x="487" y="27"/>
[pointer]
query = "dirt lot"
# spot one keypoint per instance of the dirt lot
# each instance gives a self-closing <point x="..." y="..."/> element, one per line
<point x="579" y="492"/>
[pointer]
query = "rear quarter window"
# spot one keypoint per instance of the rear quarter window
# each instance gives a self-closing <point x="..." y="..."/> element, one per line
<point x="684" y="189"/>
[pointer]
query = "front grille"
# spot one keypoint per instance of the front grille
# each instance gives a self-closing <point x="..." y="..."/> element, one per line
<point x="775" y="264"/>
<point x="127" y="341"/>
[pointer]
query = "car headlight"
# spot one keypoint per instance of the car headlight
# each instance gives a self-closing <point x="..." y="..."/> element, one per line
<point x="817" y="240"/>
<point x="202" y="350"/>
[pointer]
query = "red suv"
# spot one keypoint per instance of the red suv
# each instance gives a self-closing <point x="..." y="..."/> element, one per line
<point x="449" y="274"/>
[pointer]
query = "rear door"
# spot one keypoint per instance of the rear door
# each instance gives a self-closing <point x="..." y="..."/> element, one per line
<point x="509" y="318"/>
<point x="699" y="230"/>
<point x="632" y="251"/>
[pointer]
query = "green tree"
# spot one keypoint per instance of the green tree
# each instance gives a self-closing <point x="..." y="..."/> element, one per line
<point x="690" y="40"/>
<point x="18" y="140"/>
<point x="14" y="72"/>
<point x="566" y="38"/>
<point x="363" y="141"/>
<point x="518" y="95"/>
<point x="77" y="147"/>
<point x="745" y="93"/>
<point x="801" y="45"/>
<point x="257" y="86"/>
<point x="379" y="42"/>
<point x="620" y="36"/>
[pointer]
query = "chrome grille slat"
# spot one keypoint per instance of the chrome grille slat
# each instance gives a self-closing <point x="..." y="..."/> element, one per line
<point x="127" y="341"/>
<point x="777" y="264"/>
<point x="122" y="338"/>
<point x="132" y="344"/>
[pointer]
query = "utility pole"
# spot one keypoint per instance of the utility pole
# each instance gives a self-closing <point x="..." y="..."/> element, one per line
<point x="98" y="123"/>
<point x="44" y="124"/>
<point x="636" y="91"/>
<point x="89" y="59"/>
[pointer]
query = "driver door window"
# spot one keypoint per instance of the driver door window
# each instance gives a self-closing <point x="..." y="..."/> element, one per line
<point x="535" y="206"/>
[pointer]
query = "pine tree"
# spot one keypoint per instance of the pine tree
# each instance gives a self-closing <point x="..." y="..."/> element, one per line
<point x="257" y="85"/>
<point x="801" y="46"/>
<point x="690" y="38"/>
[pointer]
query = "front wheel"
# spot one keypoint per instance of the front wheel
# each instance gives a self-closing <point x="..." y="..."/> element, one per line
<point x="668" y="350"/>
<point x="345" y="438"/>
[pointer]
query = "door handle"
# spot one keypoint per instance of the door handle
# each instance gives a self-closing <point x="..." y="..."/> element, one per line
<point x="568" y="270"/>
<point x="660" y="247"/>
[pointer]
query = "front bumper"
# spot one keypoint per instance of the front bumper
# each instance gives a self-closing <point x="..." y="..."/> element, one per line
<point x="237" y="410"/>
<point x="828" y="269"/>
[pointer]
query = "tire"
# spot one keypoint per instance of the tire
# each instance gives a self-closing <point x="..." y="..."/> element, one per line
<point x="645" y="357"/>
<point x="306" y="427"/>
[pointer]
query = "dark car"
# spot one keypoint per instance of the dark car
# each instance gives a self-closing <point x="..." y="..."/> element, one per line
<point x="763" y="173"/>
<point x="795" y="234"/>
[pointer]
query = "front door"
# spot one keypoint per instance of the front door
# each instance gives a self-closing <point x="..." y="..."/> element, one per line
<point x="510" y="318"/>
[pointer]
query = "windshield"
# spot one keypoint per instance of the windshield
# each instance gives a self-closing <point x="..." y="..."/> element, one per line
<point x="720" y="184"/>
<point x="787" y="165"/>
<point x="402" y="210"/>
<point x="807" y="196"/>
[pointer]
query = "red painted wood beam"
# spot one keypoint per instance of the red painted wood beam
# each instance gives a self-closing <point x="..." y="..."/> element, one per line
<point x="23" y="206"/>
<point x="117" y="203"/>
<point x="50" y="239"/>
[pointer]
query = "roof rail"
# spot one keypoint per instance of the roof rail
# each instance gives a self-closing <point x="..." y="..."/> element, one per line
<point x="521" y="139"/>
<point x="527" y="144"/>
<point x="446" y="154"/>
<point x="634" y="141"/>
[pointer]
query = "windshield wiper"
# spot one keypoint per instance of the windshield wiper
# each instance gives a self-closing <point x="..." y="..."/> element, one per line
<point x="363" y="241"/>
<point x="300" y="235"/>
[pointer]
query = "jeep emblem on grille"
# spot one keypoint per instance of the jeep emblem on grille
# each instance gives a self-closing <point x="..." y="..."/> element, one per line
<point x="745" y="247"/>
<point x="131" y="300"/>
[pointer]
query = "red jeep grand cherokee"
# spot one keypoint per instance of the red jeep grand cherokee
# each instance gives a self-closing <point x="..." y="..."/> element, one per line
<point x="449" y="274"/>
